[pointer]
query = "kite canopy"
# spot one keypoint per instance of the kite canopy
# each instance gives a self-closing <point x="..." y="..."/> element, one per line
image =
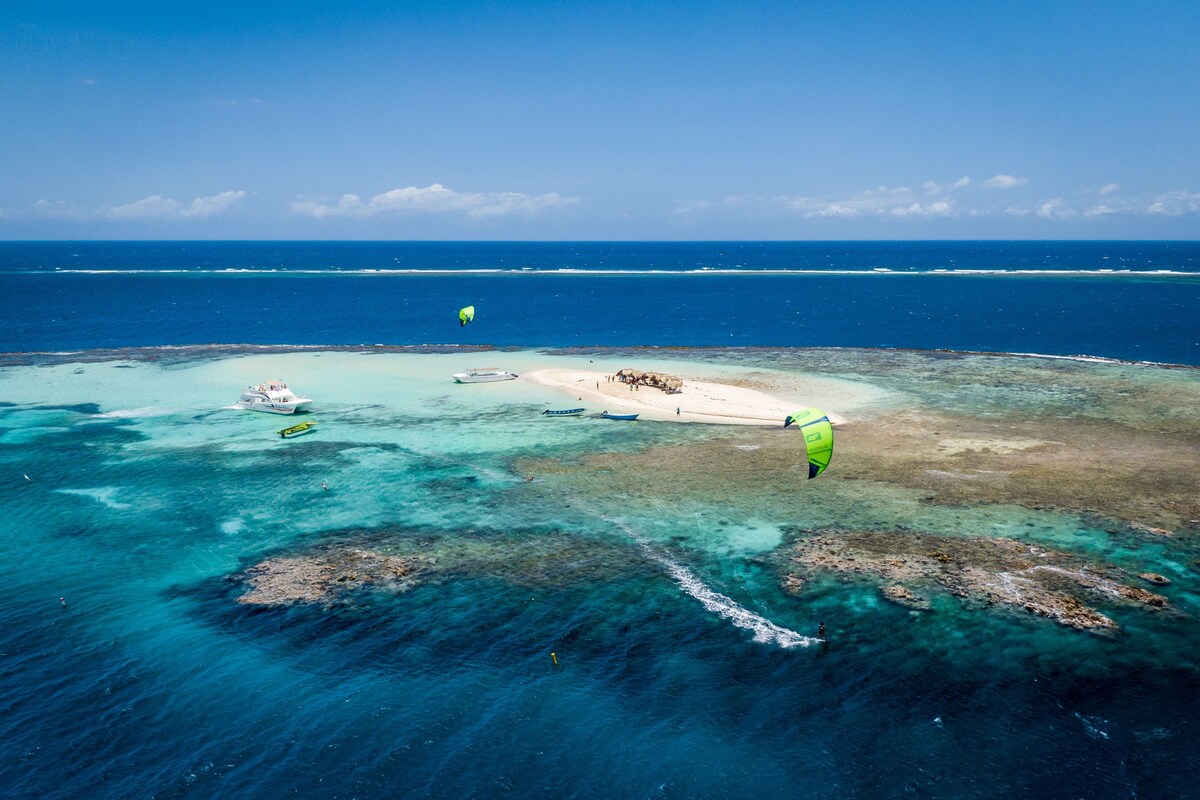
<point x="465" y="315"/>
<point x="818" y="438"/>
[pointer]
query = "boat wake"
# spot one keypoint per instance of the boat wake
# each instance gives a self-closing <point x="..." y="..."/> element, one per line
<point x="105" y="495"/>
<point x="765" y="631"/>
<point x="135" y="413"/>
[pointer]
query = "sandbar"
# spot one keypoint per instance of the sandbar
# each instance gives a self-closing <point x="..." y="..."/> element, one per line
<point x="698" y="401"/>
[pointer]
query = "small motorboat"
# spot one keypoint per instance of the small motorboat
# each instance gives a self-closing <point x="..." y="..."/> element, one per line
<point x="296" y="430"/>
<point x="484" y="375"/>
<point x="626" y="417"/>
<point x="564" y="412"/>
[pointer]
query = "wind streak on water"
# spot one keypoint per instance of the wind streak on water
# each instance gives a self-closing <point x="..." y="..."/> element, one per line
<point x="765" y="631"/>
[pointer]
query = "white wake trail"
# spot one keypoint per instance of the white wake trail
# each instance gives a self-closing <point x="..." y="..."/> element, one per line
<point x="765" y="631"/>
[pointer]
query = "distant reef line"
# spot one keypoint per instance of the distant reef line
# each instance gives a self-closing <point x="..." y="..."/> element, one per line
<point x="193" y="352"/>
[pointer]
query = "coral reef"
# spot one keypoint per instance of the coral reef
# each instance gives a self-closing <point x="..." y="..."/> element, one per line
<point x="321" y="577"/>
<point x="983" y="572"/>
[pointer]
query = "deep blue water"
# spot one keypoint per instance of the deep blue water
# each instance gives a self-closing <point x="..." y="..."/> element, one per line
<point x="672" y="256"/>
<point x="623" y="300"/>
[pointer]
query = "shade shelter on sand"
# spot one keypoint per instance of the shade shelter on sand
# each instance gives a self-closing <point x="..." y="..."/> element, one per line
<point x="657" y="380"/>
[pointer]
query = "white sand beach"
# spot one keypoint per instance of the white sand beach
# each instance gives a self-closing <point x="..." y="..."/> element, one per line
<point x="699" y="401"/>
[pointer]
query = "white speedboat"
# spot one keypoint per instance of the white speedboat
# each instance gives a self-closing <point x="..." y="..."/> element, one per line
<point x="273" y="396"/>
<point x="484" y="375"/>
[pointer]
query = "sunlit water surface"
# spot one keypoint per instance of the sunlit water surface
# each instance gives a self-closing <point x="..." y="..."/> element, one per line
<point x="683" y="670"/>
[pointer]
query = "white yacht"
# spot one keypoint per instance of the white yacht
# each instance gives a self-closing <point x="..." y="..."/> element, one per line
<point x="273" y="396"/>
<point x="484" y="375"/>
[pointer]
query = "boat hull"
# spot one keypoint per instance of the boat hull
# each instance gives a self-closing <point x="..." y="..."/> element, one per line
<point x="298" y="430"/>
<point x="272" y="408"/>
<point x="622" y="417"/>
<point x="567" y="412"/>
<point x="487" y="377"/>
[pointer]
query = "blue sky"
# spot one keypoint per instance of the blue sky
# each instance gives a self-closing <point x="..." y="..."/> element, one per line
<point x="561" y="120"/>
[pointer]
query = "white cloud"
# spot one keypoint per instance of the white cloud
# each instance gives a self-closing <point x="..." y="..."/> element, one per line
<point x="941" y="208"/>
<point x="833" y="210"/>
<point x="933" y="187"/>
<point x="434" y="198"/>
<point x="1055" y="208"/>
<point x="934" y="200"/>
<point x="896" y="201"/>
<point x="157" y="207"/>
<point x="203" y="207"/>
<point x="1108" y="188"/>
<point x="152" y="207"/>
<point x="1174" y="204"/>
<point x="1004" y="182"/>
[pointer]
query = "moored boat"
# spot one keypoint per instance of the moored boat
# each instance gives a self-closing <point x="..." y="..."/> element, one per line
<point x="296" y="430"/>
<point x="626" y="417"/>
<point x="273" y="397"/>
<point x="484" y="375"/>
<point x="564" y="412"/>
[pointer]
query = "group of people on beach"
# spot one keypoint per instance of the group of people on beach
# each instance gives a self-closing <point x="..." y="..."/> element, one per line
<point x="635" y="379"/>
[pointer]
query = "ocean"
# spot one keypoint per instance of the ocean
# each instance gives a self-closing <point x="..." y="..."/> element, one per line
<point x="442" y="593"/>
<point x="1124" y="300"/>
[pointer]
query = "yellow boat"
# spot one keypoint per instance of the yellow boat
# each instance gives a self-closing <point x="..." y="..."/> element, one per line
<point x="296" y="430"/>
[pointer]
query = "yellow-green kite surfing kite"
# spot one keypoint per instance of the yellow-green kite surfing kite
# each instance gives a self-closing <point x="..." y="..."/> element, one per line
<point x="818" y="438"/>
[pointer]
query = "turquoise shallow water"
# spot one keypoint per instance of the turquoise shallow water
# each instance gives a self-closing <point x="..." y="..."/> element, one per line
<point x="684" y="669"/>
